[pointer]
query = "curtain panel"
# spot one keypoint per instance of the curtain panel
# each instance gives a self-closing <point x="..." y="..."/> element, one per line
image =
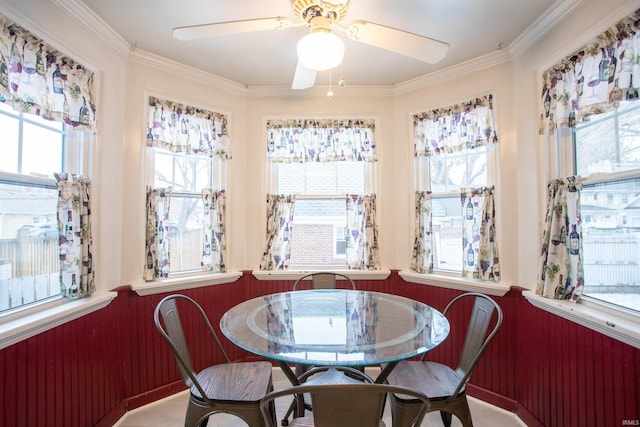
<point x="321" y="140"/>
<point x="479" y="240"/>
<point x="560" y="271"/>
<point x="279" y="227"/>
<point x="35" y="78"/>
<point x="75" y="246"/>
<point x="462" y="126"/>
<point x="594" y="79"/>
<point x="157" y="239"/>
<point x="214" y="242"/>
<point x="184" y="129"/>
<point x="362" y="251"/>
<point x="422" y="260"/>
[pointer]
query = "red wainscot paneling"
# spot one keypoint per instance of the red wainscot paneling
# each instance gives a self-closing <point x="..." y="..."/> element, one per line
<point x="569" y="375"/>
<point x="548" y="370"/>
<point x="68" y="376"/>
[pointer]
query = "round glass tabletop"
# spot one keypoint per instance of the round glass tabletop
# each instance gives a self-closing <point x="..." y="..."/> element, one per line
<point x="334" y="327"/>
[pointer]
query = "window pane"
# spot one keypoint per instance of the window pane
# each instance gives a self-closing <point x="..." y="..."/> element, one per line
<point x="477" y="168"/>
<point x="182" y="172"/>
<point x="596" y="148"/>
<point x="163" y="176"/>
<point x="438" y="174"/>
<point x="313" y="240"/>
<point x="185" y="233"/>
<point x="29" y="260"/>
<point x="611" y="242"/>
<point x="9" y="143"/>
<point x="609" y="142"/>
<point x="42" y="150"/>
<point x="321" y="178"/>
<point x="447" y="233"/>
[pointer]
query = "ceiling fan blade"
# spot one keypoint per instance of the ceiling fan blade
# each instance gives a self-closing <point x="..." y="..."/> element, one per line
<point x="304" y="78"/>
<point x="231" y="27"/>
<point x="402" y="42"/>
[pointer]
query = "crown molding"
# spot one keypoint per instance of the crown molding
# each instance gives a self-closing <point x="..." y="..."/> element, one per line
<point x="88" y="18"/>
<point x="159" y="62"/>
<point x="541" y="26"/>
<point x="319" y="91"/>
<point x="458" y="70"/>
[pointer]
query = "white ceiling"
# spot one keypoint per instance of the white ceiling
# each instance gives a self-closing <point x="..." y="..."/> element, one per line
<point x="473" y="28"/>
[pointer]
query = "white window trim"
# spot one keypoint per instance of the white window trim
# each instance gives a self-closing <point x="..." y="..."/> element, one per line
<point x="455" y="282"/>
<point x="184" y="281"/>
<point x="21" y="328"/>
<point x="295" y="274"/>
<point x="608" y="321"/>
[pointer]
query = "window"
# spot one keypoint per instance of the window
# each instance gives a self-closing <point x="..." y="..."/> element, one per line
<point x="33" y="149"/>
<point x="188" y="175"/>
<point x="320" y="162"/>
<point x="320" y="217"/>
<point x="606" y="154"/>
<point x="455" y="202"/>
<point x="187" y="150"/>
<point x="444" y="175"/>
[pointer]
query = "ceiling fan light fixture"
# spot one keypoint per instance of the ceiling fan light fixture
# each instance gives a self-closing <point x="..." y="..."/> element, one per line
<point x="320" y="50"/>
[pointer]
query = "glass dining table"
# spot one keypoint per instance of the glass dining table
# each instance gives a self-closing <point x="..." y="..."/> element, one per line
<point x="334" y="327"/>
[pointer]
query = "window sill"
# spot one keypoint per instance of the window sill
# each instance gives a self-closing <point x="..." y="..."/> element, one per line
<point x="27" y="326"/>
<point x="454" y="282"/>
<point x="295" y="274"/>
<point x="185" y="282"/>
<point x="611" y="323"/>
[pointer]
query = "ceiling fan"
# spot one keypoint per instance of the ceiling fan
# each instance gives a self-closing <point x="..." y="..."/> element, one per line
<point x="321" y="16"/>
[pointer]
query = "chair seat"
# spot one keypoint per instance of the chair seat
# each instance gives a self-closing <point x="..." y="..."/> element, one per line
<point x="308" y="422"/>
<point x="435" y="380"/>
<point x="238" y="381"/>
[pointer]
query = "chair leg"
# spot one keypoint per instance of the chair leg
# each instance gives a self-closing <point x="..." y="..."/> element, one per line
<point x="290" y="411"/>
<point x="446" y="418"/>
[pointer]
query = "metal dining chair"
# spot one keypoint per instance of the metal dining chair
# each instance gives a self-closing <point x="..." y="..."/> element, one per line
<point x="323" y="280"/>
<point x="444" y="386"/>
<point x="235" y="388"/>
<point x="345" y="404"/>
<point x="319" y="280"/>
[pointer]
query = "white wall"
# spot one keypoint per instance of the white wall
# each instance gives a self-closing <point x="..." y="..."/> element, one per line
<point x="124" y="78"/>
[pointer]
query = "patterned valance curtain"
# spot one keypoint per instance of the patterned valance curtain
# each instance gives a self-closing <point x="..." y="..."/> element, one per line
<point x="321" y="140"/>
<point x="75" y="244"/>
<point x="479" y="243"/>
<point x="38" y="79"/>
<point x="279" y="227"/>
<point x="362" y="251"/>
<point x="157" y="241"/>
<point x="455" y="128"/>
<point x="422" y="260"/>
<point x="214" y="245"/>
<point x="184" y="129"/>
<point x="560" y="271"/>
<point x="593" y="80"/>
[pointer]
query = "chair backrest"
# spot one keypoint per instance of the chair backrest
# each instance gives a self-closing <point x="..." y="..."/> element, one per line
<point x="324" y="280"/>
<point x="167" y="320"/>
<point x="477" y="339"/>
<point x="346" y="405"/>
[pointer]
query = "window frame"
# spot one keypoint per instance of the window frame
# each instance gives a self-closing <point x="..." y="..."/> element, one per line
<point x="271" y="172"/>
<point x="218" y="180"/>
<point x="76" y="152"/>
<point x="422" y="182"/>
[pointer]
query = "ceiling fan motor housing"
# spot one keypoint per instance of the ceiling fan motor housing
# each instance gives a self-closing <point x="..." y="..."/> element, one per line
<point x="306" y="10"/>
